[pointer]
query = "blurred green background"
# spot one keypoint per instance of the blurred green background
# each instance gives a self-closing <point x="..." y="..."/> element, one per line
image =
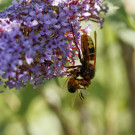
<point x="109" y="105"/>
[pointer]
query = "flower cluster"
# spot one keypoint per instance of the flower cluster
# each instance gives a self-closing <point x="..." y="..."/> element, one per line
<point x="36" y="39"/>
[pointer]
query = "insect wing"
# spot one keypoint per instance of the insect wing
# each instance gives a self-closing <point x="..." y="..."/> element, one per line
<point x="95" y="35"/>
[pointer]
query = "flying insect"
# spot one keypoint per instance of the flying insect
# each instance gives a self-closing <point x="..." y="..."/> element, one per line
<point x="81" y="75"/>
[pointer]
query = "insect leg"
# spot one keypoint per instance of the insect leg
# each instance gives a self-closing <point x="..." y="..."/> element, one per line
<point x="73" y="66"/>
<point x="81" y="96"/>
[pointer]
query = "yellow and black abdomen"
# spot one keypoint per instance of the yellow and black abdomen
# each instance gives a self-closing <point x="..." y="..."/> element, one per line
<point x="91" y="48"/>
<point x="84" y="45"/>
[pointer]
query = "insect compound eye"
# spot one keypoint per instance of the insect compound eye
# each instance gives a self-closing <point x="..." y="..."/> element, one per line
<point x="71" y="88"/>
<point x="72" y="85"/>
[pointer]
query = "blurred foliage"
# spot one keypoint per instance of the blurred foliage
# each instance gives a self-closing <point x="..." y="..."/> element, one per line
<point x="4" y="4"/>
<point x="51" y="110"/>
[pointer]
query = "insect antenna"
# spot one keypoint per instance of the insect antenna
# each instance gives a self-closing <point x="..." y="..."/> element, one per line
<point x="81" y="96"/>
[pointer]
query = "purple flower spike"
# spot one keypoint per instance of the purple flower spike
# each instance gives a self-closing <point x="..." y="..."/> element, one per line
<point x="36" y="38"/>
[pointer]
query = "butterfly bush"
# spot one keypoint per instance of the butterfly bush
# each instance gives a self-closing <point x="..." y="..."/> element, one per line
<point x="37" y="38"/>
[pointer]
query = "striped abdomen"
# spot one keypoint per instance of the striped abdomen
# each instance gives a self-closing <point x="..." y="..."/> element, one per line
<point x="91" y="48"/>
